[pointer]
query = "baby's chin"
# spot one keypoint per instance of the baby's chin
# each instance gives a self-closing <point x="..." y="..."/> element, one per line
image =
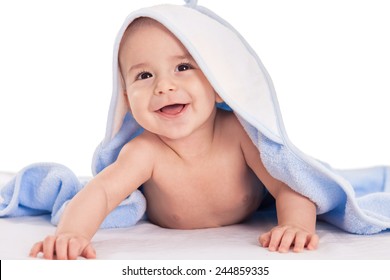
<point x="174" y="135"/>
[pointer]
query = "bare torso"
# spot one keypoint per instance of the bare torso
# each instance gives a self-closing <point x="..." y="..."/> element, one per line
<point x="211" y="190"/>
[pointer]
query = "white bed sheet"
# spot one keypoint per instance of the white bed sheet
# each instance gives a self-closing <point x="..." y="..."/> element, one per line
<point x="146" y="241"/>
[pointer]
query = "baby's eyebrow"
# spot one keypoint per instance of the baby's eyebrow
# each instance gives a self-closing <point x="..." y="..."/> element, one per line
<point x="185" y="56"/>
<point x="137" y="66"/>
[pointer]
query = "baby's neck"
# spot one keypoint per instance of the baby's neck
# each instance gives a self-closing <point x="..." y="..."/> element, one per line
<point x="196" y="145"/>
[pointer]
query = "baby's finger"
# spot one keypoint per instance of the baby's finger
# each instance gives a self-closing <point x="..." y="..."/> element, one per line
<point x="276" y="237"/>
<point x="264" y="239"/>
<point x="89" y="252"/>
<point x="62" y="248"/>
<point x="313" y="243"/>
<point x="287" y="240"/>
<point x="36" y="249"/>
<point x="48" y="247"/>
<point x="74" y="248"/>
<point x="300" y="241"/>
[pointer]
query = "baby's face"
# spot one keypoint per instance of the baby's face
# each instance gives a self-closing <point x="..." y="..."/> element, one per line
<point x="167" y="92"/>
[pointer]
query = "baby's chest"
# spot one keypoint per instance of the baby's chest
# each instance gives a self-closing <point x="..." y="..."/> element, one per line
<point x="206" y="183"/>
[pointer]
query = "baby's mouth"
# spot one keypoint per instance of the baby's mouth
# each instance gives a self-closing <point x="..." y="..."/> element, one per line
<point x="173" y="109"/>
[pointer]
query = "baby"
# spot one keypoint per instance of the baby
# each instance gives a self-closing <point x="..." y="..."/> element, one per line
<point x="197" y="165"/>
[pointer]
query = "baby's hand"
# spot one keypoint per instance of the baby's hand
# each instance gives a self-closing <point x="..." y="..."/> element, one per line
<point x="64" y="247"/>
<point x="281" y="238"/>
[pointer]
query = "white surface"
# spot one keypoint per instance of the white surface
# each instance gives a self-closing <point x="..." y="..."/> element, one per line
<point x="147" y="241"/>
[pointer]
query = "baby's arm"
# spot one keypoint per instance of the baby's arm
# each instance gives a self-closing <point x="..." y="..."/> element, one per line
<point x="296" y="213"/>
<point x="296" y="221"/>
<point x="87" y="210"/>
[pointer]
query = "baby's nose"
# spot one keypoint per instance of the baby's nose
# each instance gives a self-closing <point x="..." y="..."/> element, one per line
<point x="165" y="86"/>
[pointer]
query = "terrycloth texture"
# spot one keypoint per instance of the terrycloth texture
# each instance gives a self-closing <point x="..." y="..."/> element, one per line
<point x="47" y="188"/>
<point x="356" y="201"/>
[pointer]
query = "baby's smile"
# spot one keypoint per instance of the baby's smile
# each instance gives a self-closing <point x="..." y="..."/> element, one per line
<point x="173" y="110"/>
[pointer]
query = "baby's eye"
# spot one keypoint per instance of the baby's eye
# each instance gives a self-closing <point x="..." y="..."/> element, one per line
<point x="144" y="75"/>
<point x="184" y="67"/>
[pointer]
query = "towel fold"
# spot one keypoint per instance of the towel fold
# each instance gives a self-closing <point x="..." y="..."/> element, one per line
<point x="44" y="188"/>
<point x="357" y="201"/>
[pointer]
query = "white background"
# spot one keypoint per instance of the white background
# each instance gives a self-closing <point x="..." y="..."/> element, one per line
<point x="329" y="60"/>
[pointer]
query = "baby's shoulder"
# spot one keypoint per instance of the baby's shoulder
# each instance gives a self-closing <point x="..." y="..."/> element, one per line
<point x="145" y="143"/>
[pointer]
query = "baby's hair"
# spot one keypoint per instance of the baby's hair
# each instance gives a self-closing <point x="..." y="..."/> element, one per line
<point x="141" y="22"/>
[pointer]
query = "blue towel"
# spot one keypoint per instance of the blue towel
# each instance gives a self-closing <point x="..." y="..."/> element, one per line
<point x="46" y="188"/>
<point x="357" y="201"/>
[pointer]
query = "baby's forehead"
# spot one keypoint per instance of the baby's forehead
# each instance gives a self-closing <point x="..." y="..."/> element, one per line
<point x="144" y="38"/>
<point x="142" y="23"/>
